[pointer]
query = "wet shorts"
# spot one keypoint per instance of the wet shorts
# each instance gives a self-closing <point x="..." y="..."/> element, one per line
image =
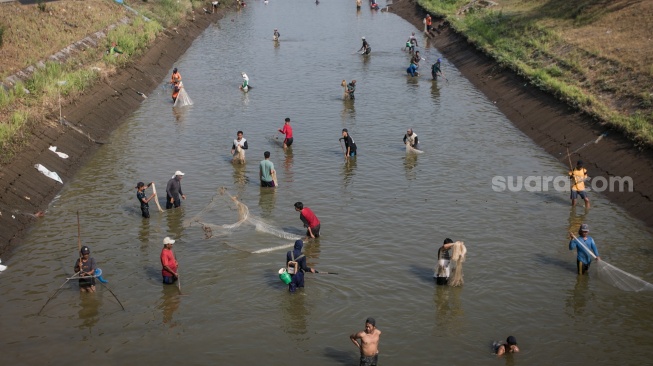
<point x="145" y="210"/>
<point x="369" y="360"/>
<point x="169" y="280"/>
<point x="315" y="230"/>
<point x="267" y="184"/>
<point x="582" y="267"/>
<point x="575" y="194"/>
<point x="288" y="141"/>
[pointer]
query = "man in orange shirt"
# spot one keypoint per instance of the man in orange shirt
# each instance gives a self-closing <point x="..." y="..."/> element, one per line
<point x="428" y="22"/>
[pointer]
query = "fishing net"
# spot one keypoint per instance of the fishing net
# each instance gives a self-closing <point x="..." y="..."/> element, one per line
<point x="239" y="156"/>
<point x="410" y="149"/>
<point x="615" y="276"/>
<point x="457" y="257"/>
<point x="244" y="217"/>
<point x="182" y="98"/>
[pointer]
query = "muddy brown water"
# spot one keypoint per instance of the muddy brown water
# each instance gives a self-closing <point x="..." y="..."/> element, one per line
<point x="383" y="215"/>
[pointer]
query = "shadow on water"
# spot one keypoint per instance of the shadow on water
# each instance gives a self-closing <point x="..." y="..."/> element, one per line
<point x="547" y="260"/>
<point x="89" y="311"/>
<point x="424" y="274"/>
<point x="170" y="300"/>
<point x="579" y="296"/>
<point x="348" y="171"/>
<point x="448" y="308"/>
<point x="295" y="313"/>
<point x="341" y="357"/>
<point x="410" y="163"/>
<point x="267" y="201"/>
<point x="435" y="92"/>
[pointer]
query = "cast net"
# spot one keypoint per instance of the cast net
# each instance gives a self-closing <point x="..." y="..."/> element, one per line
<point x="615" y="276"/>
<point x="182" y="98"/>
<point x="244" y="218"/>
<point x="457" y="258"/>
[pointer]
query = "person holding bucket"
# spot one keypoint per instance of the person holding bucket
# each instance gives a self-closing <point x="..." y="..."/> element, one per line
<point x="293" y="274"/>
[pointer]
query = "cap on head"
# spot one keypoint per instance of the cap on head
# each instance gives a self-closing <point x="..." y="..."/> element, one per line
<point x="439" y="60"/>
<point x="345" y="130"/>
<point x="167" y="240"/>
<point x="139" y="185"/>
<point x="363" y="37"/>
<point x="584" y="227"/>
<point x="370" y="321"/>
<point x="511" y="341"/>
<point x="178" y="172"/>
<point x="174" y="70"/>
<point x="85" y="250"/>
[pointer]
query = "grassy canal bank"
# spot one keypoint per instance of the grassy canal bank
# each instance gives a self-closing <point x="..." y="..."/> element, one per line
<point x="30" y="34"/>
<point x="595" y="55"/>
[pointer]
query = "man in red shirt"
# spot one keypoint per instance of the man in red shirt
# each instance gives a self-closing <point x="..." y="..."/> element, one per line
<point x="309" y="219"/>
<point x="287" y="129"/>
<point x="168" y="262"/>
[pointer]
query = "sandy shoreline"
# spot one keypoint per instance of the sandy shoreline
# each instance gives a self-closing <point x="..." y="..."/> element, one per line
<point x="550" y="123"/>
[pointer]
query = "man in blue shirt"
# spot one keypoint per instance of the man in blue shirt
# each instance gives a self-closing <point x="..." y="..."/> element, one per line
<point x="584" y="258"/>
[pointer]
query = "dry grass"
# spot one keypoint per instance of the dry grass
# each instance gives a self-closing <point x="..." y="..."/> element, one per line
<point x="594" y="54"/>
<point x="31" y="35"/>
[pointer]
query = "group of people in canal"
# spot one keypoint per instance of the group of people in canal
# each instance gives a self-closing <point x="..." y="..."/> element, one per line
<point x="295" y="260"/>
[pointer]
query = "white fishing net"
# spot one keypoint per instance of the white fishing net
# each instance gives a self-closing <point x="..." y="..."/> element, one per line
<point x="182" y="98"/>
<point x="244" y="218"/>
<point x="615" y="276"/>
<point x="457" y="258"/>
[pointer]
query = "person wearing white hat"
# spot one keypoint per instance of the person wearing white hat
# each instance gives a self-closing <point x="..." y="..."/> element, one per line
<point x="173" y="191"/>
<point x="168" y="262"/>
<point x="365" y="47"/>
<point x="245" y="86"/>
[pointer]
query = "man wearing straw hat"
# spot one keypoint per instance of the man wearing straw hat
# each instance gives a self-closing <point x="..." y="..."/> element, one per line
<point x="168" y="262"/>
<point x="173" y="191"/>
<point x="583" y="244"/>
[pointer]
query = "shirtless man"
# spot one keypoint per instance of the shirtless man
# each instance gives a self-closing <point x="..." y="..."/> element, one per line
<point x="369" y="343"/>
<point x="509" y="347"/>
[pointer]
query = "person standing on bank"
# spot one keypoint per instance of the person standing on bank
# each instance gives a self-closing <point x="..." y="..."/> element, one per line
<point x="583" y="258"/>
<point x="173" y="191"/>
<point x="266" y="170"/>
<point x="311" y="222"/>
<point x="85" y="267"/>
<point x="411" y="138"/>
<point x="169" y="264"/>
<point x="140" y="195"/>
<point x="369" y="343"/>
<point x="350" y="146"/>
<point x="578" y="177"/>
<point x="443" y="269"/>
<point x="287" y="130"/>
<point x="296" y="266"/>
<point x="429" y="22"/>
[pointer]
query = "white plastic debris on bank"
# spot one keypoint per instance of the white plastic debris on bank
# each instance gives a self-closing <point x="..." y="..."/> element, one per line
<point x="61" y="155"/>
<point x="47" y="173"/>
<point x="2" y="268"/>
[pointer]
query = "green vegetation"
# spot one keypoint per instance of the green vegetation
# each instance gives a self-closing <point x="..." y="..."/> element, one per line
<point x="531" y="38"/>
<point x="31" y="101"/>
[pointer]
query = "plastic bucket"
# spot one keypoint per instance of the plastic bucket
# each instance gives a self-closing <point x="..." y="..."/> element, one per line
<point x="284" y="276"/>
